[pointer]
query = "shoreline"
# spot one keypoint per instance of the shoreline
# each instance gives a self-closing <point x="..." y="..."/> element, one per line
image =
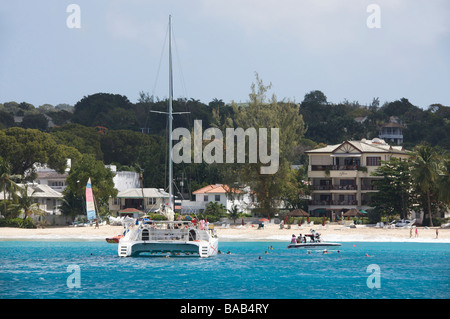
<point x="271" y="232"/>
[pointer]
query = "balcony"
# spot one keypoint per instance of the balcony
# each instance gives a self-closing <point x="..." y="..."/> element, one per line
<point x="335" y="187"/>
<point x="334" y="202"/>
<point x="369" y="188"/>
<point x="334" y="167"/>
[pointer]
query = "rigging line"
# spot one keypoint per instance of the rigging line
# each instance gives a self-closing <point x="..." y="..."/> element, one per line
<point x="184" y="89"/>
<point x="152" y="97"/>
<point x="160" y="61"/>
<point x="183" y="83"/>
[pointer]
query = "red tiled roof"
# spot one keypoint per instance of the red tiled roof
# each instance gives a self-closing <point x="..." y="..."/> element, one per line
<point x="215" y="189"/>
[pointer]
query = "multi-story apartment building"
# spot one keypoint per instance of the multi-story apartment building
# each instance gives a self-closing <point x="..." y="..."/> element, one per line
<point x="341" y="174"/>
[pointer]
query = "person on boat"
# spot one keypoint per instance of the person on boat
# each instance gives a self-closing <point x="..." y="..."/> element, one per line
<point x="293" y="239"/>
<point x="299" y="239"/>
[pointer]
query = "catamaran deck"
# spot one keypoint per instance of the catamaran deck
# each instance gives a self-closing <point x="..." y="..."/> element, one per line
<point x="162" y="237"/>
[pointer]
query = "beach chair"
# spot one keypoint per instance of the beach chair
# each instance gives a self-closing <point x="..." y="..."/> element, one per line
<point x="227" y="226"/>
<point x="223" y="226"/>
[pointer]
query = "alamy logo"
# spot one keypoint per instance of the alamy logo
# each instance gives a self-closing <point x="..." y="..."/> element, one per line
<point x="74" y="279"/>
<point x="213" y="152"/>
<point x="374" y="279"/>
<point x="73" y="21"/>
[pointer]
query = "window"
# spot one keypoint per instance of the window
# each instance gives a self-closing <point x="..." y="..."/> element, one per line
<point x="373" y="161"/>
<point x="205" y="198"/>
<point x="151" y="201"/>
<point x="217" y="198"/>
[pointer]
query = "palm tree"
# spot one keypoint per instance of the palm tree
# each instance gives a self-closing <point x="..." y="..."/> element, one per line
<point x="215" y="208"/>
<point x="7" y="181"/>
<point x="425" y="171"/>
<point x="233" y="213"/>
<point x="26" y="202"/>
<point x="444" y="181"/>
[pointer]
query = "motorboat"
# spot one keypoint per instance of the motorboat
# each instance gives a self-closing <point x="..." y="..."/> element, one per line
<point x="114" y="240"/>
<point x="403" y="223"/>
<point x="178" y="238"/>
<point x="310" y="241"/>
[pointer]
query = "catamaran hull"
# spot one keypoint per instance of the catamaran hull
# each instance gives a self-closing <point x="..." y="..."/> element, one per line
<point x="183" y="248"/>
<point x="314" y="245"/>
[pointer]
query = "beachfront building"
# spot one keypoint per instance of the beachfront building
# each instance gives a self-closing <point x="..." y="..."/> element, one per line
<point x="51" y="178"/>
<point x="47" y="199"/>
<point x="146" y="200"/>
<point x="221" y="194"/>
<point x="341" y="175"/>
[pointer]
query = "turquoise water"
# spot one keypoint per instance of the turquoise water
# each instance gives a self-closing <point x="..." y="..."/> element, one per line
<point x="39" y="269"/>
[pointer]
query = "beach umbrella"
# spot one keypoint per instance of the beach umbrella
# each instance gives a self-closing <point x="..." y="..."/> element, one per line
<point x="243" y="222"/>
<point x="323" y="221"/>
<point x="130" y="211"/>
<point x="263" y="220"/>
<point x="352" y="213"/>
<point x="298" y="213"/>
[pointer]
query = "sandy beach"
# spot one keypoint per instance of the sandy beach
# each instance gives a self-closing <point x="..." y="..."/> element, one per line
<point x="271" y="232"/>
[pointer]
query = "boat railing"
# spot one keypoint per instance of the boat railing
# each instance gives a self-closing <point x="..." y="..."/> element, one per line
<point x="165" y="234"/>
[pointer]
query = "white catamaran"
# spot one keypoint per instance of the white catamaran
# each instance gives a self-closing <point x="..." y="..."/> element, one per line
<point x="168" y="237"/>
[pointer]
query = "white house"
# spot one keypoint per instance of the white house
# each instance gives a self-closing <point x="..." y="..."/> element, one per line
<point x="49" y="177"/>
<point x="47" y="198"/>
<point x="144" y="199"/>
<point x="221" y="194"/>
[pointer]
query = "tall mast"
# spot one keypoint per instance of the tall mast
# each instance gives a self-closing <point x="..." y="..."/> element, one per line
<point x="170" y="114"/>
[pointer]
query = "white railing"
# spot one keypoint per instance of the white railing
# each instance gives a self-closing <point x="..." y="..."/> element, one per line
<point x="165" y="234"/>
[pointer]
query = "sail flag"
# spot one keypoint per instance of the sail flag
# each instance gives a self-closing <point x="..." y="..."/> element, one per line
<point x="90" y="207"/>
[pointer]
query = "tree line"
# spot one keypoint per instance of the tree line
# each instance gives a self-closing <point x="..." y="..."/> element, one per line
<point x="420" y="183"/>
<point x="108" y="129"/>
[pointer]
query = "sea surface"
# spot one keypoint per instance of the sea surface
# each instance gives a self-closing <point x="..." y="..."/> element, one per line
<point x="251" y="270"/>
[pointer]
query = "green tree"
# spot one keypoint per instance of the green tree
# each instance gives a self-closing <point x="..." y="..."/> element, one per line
<point x="234" y="213"/>
<point x="426" y="162"/>
<point x="72" y="204"/>
<point x="101" y="180"/>
<point x="214" y="208"/>
<point x="443" y="180"/>
<point x="23" y="148"/>
<point x="264" y="113"/>
<point x="85" y="139"/>
<point x="35" y="121"/>
<point x="394" y="194"/>
<point x="7" y="182"/>
<point x="296" y="190"/>
<point x="26" y="202"/>
<point x="113" y="111"/>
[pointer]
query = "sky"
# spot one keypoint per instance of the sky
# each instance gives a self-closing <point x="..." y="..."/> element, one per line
<point x="346" y="49"/>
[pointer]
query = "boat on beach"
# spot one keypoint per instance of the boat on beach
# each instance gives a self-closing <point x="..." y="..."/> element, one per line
<point x="310" y="241"/>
